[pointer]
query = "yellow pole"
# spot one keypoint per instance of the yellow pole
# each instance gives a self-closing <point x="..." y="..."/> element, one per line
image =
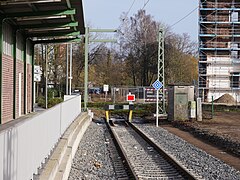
<point x="130" y="116"/>
<point x="107" y="116"/>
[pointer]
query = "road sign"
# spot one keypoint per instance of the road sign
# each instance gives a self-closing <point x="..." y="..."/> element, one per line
<point x="131" y="97"/>
<point x="37" y="69"/>
<point x="37" y="77"/>
<point x="105" y="88"/>
<point x="157" y="85"/>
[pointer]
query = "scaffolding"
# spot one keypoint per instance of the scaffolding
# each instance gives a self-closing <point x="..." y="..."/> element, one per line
<point x="219" y="49"/>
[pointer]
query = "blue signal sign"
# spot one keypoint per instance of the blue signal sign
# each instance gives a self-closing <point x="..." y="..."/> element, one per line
<point x="157" y="85"/>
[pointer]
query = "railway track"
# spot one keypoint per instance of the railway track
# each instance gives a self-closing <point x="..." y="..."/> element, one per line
<point x="143" y="158"/>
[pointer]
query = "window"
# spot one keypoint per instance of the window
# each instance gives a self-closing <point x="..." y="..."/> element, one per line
<point x="7" y="40"/>
<point x="234" y="17"/>
<point x="19" y="50"/>
<point x="234" y="81"/>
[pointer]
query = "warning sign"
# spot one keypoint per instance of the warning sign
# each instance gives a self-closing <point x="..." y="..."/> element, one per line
<point x="131" y="97"/>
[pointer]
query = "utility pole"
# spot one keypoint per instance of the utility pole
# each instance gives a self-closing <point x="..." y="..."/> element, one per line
<point x="87" y="40"/>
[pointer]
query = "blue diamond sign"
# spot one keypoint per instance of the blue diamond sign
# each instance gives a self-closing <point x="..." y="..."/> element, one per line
<point x="157" y="85"/>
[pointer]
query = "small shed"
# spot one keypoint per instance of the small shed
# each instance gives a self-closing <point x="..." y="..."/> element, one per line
<point x="179" y="97"/>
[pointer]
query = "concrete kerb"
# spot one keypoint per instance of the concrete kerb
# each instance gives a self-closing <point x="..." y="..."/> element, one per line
<point x="65" y="167"/>
<point x="59" y="164"/>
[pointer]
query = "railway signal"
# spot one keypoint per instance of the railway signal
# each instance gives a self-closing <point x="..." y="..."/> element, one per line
<point x="130" y="97"/>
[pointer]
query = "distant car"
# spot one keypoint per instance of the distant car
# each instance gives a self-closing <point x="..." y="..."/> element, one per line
<point x="75" y="92"/>
<point x="94" y="90"/>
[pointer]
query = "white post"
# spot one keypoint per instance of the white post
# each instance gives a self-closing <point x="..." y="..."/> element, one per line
<point x="114" y="94"/>
<point x="199" y="109"/>
<point x="70" y="71"/>
<point x="105" y="96"/>
<point x="34" y="93"/>
<point x="46" y="80"/>
<point x="67" y="72"/>
<point x="157" y="108"/>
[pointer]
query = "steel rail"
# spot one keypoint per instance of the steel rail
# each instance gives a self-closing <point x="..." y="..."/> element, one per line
<point x="121" y="151"/>
<point x="170" y="159"/>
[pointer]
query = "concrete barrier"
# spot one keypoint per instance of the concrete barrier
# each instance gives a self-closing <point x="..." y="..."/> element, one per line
<point x="25" y="144"/>
<point x="59" y="165"/>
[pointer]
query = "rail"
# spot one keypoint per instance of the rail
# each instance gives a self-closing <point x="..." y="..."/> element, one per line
<point x="181" y="168"/>
<point x="131" y="168"/>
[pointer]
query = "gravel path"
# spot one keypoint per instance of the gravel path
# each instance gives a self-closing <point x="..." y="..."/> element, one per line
<point x="93" y="159"/>
<point x="201" y="163"/>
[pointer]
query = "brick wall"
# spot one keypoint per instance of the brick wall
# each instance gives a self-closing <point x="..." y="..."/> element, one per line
<point x="7" y="88"/>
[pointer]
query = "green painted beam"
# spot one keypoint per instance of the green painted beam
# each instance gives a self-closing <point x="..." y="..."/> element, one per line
<point x="72" y="17"/>
<point x="14" y="72"/>
<point x="52" y="34"/>
<point x="104" y="40"/>
<point x="67" y="40"/>
<point x="57" y="25"/>
<point x="41" y="13"/>
<point x="103" y="30"/>
<point x="1" y="51"/>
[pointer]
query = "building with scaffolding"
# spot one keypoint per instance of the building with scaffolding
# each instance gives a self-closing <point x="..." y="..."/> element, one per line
<point x="219" y="49"/>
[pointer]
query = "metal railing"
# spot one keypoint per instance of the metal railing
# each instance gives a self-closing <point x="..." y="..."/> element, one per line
<point x="25" y="146"/>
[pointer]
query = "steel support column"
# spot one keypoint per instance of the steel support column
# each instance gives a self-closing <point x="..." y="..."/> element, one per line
<point x="86" y="69"/>
<point x="14" y="72"/>
<point x="70" y="70"/>
<point x="162" y="108"/>
<point x="46" y="76"/>
<point x="87" y="30"/>
<point x="25" y="74"/>
<point x="67" y="56"/>
<point x="33" y="85"/>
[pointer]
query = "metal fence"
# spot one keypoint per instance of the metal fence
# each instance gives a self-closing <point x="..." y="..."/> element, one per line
<point x="143" y="94"/>
<point x="25" y="146"/>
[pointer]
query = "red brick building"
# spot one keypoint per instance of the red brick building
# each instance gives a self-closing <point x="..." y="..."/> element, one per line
<point x="22" y="25"/>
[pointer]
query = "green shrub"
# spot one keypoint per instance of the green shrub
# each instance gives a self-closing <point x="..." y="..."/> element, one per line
<point x="53" y="101"/>
<point x="52" y="93"/>
<point x="41" y="101"/>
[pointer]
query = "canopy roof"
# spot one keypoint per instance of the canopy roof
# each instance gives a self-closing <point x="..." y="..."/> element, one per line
<point x="45" y="20"/>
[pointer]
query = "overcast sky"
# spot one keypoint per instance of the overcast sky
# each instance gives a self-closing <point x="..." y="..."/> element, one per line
<point x="106" y="13"/>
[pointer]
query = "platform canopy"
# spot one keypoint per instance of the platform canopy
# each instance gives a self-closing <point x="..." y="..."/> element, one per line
<point x="45" y="21"/>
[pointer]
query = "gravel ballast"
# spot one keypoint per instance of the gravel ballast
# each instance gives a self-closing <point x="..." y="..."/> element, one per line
<point x="92" y="159"/>
<point x="200" y="163"/>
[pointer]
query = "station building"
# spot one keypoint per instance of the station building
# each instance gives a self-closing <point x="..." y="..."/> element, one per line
<point x="24" y="23"/>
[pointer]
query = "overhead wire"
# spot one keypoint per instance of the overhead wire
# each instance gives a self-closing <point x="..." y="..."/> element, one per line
<point x="145" y="4"/>
<point x="186" y="15"/>
<point x="129" y="10"/>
